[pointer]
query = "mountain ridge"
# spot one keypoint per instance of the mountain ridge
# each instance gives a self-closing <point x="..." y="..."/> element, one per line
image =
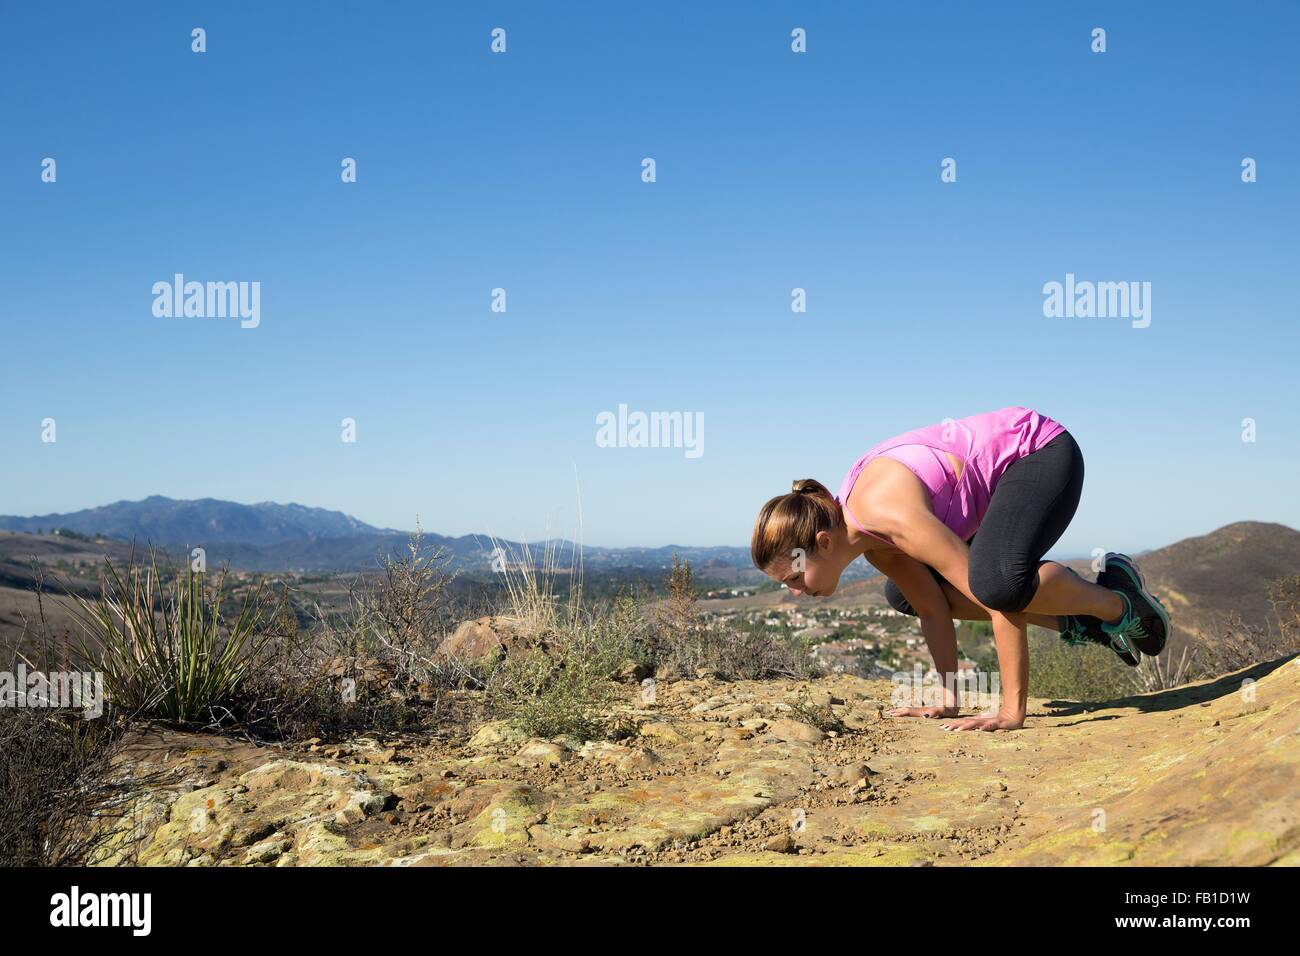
<point x="273" y="536"/>
<point x="174" y="520"/>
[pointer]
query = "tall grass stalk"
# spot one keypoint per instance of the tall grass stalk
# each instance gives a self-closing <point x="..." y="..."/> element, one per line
<point x="1164" y="672"/>
<point x="531" y="596"/>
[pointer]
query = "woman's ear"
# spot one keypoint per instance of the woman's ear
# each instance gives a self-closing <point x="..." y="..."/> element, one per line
<point x="824" y="541"/>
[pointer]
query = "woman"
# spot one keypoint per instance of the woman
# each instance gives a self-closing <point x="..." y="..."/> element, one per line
<point x="958" y="516"/>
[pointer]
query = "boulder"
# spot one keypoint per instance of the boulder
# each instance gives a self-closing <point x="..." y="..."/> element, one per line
<point x="539" y="753"/>
<point x="489" y="638"/>
<point x="780" y="844"/>
<point x="795" y="731"/>
<point x="496" y="733"/>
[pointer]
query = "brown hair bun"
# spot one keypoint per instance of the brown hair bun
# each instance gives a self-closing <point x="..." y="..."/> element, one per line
<point x="793" y="521"/>
<point x="809" y="486"/>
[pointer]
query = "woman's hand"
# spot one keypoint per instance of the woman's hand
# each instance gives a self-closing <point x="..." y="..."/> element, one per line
<point x="924" y="712"/>
<point x="999" y="721"/>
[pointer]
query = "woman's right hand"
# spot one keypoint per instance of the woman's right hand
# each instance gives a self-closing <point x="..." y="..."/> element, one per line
<point x="924" y="712"/>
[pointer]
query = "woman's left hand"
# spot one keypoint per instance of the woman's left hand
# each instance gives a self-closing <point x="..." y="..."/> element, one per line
<point x="999" y="721"/>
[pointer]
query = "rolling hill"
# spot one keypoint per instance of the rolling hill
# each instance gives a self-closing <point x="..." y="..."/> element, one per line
<point x="1207" y="580"/>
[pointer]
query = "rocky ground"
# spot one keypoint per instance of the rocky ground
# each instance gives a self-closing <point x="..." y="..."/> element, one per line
<point x="718" y="773"/>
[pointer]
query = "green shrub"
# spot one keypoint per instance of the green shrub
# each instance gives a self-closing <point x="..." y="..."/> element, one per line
<point x="164" y="645"/>
<point x="549" y="694"/>
<point x="1086" y="672"/>
<point x="562" y="685"/>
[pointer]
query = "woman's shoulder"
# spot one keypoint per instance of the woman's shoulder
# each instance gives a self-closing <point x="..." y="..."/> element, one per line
<point x="882" y="486"/>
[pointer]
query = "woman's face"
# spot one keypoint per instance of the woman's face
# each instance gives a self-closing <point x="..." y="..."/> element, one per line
<point x="816" y="573"/>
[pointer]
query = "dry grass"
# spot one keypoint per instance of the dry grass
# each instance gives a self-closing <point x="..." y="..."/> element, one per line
<point x="59" y="793"/>
<point x="561" y="685"/>
<point x="684" y="642"/>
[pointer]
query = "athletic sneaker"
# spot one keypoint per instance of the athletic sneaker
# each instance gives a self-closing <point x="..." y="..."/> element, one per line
<point x="1123" y="575"/>
<point x="1145" y="622"/>
<point x="1086" y="629"/>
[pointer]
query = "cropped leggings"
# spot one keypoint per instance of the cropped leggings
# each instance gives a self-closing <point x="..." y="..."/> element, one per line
<point x="1032" y="505"/>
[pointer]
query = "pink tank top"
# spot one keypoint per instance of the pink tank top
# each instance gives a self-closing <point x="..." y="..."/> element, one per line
<point x="987" y="443"/>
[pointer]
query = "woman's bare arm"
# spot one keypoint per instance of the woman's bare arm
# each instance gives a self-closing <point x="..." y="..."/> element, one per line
<point x="898" y="506"/>
<point x="935" y="616"/>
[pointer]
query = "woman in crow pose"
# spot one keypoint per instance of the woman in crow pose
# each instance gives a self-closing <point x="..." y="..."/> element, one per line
<point x="958" y="516"/>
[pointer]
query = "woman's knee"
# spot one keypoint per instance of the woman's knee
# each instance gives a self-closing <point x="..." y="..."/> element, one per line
<point x="894" y="595"/>
<point x="1003" y="589"/>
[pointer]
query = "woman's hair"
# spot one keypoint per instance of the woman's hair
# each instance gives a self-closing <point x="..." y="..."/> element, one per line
<point x="793" y="521"/>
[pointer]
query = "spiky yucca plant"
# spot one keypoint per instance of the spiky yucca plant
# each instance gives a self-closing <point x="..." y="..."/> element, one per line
<point x="164" y="646"/>
<point x="1164" y="672"/>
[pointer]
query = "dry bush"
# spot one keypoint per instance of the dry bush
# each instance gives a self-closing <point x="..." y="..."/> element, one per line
<point x="1087" y="672"/>
<point x="738" y="652"/>
<point x="685" y="642"/>
<point x="1234" y="644"/>
<point x="57" y="788"/>
<point x="818" y="715"/>
<point x="371" y="666"/>
<point x="317" y="684"/>
<point x="402" y="615"/>
<point x="59" y="795"/>
<point x="682" y="610"/>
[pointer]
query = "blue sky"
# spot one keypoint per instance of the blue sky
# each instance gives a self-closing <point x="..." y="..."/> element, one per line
<point x="522" y="171"/>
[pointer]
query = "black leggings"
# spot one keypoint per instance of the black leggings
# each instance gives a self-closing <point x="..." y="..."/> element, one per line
<point x="1032" y="505"/>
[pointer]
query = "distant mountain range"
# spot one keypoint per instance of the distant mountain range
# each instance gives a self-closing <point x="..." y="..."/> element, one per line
<point x="205" y="521"/>
<point x="276" y="537"/>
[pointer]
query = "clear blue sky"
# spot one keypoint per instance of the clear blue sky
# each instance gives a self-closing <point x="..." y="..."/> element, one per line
<point x="523" y="171"/>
